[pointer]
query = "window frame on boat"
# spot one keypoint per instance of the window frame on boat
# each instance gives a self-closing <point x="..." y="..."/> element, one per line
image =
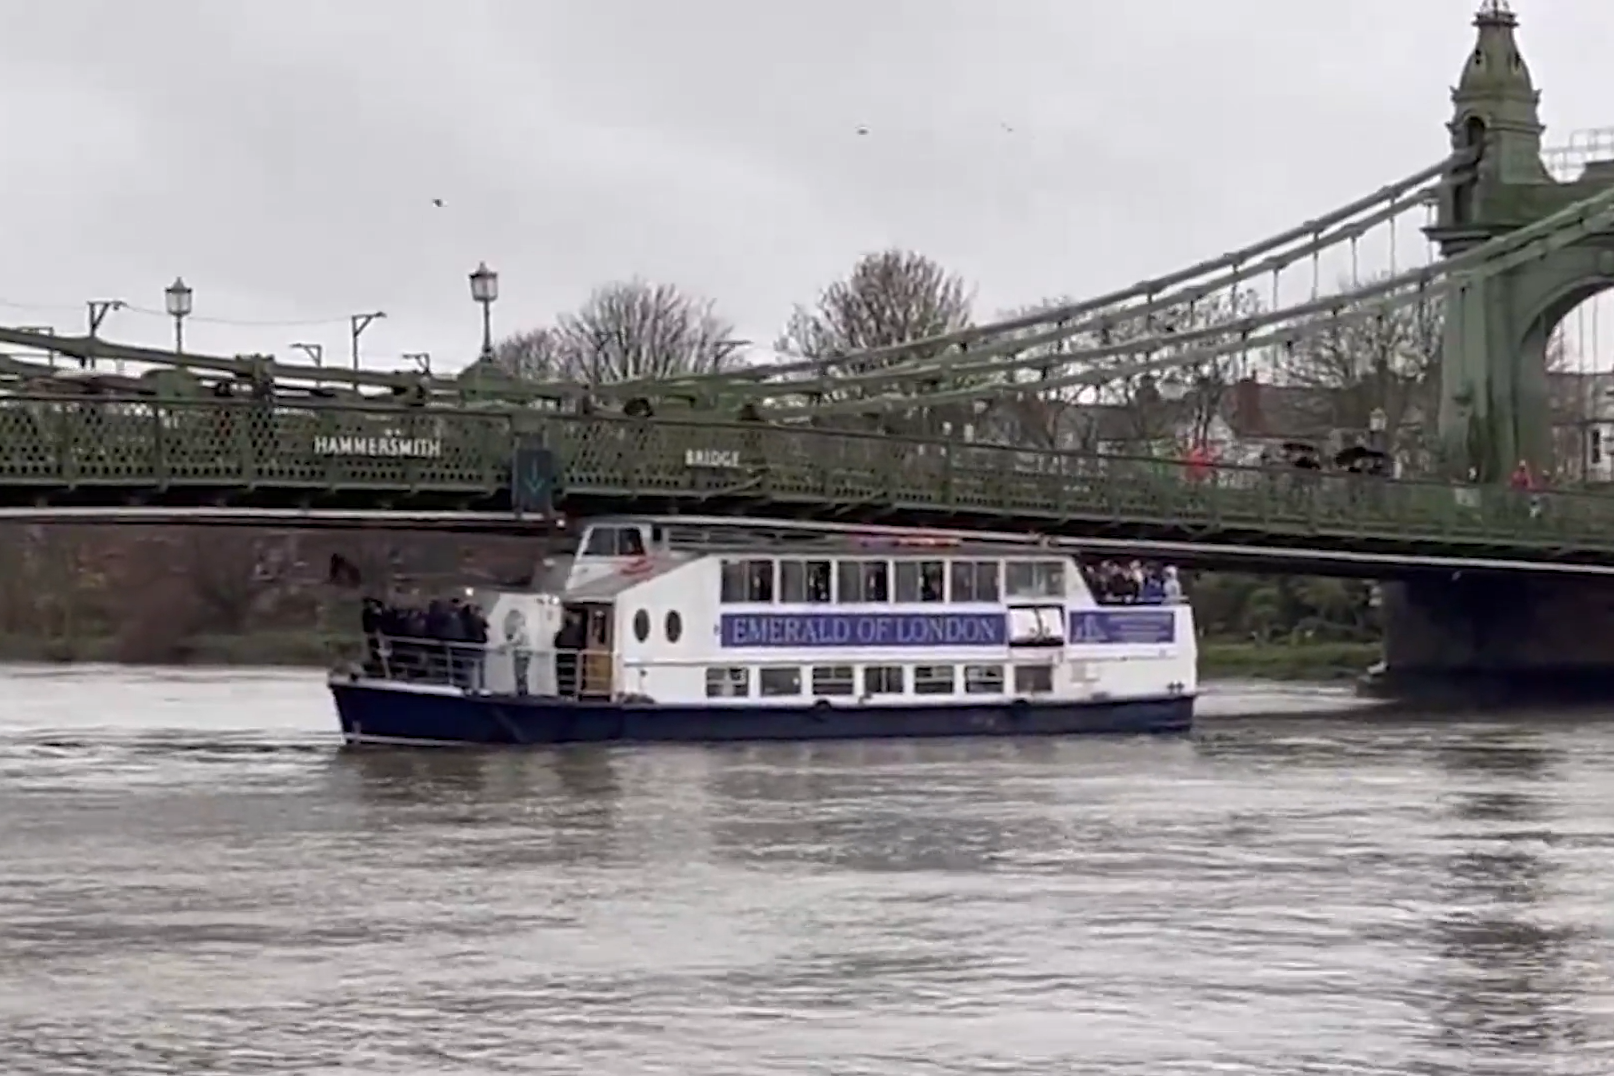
<point x="1034" y="579"/>
<point x="806" y="580"/>
<point x="976" y="572"/>
<point x="918" y="582"/>
<point x="834" y="681"/>
<point x="768" y="686"/>
<point x="928" y="681"/>
<point x="1045" y="681"/>
<point x="868" y="580"/>
<point x="984" y="679"/>
<point x="882" y="673"/>
<point x="734" y="676"/>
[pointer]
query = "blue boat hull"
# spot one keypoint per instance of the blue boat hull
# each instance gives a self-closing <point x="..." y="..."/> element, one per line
<point x="380" y="713"/>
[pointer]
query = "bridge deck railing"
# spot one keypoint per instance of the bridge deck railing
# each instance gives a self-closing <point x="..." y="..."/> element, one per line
<point x="52" y="443"/>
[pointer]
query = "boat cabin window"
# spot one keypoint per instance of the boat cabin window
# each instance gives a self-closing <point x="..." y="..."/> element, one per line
<point x="983" y="679"/>
<point x="1034" y="579"/>
<point x="883" y="680"/>
<point x="933" y="680"/>
<point x="614" y="542"/>
<point x="862" y="581"/>
<point x="746" y="581"/>
<point x="805" y="581"/>
<point x="919" y="581"/>
<point x="780" y="680"/>
<point x="833" y="680"/>
<point x="975" y="581"/>
<point x="1033" y="679"/>
<point x="876" y="581"/>
<point x="728" y="683"/>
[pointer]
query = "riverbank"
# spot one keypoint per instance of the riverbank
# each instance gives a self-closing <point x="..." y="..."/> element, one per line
<point x="1218" y="660"/>
<point x="1295" y="662"/>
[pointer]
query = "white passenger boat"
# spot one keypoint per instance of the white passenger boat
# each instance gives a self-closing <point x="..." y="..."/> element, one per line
<point x="678" y="629"/>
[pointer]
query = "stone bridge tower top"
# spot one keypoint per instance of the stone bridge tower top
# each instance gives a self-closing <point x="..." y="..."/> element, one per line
<point x="1495" y="102"/>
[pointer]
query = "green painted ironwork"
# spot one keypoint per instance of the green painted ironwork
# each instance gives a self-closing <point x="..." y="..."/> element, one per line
<point x="188" y="451"/>
<point x="1494" y="409"/>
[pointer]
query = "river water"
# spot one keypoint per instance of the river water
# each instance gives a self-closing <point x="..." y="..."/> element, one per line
<point x="193" y="879"/>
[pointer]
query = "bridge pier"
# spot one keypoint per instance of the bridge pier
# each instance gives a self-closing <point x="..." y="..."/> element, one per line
<point x="1497" y="640"/>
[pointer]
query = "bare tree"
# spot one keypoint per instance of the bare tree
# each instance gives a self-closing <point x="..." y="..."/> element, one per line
<point x="634" y="329"/>
<point x="1158" y="397"/>
<point x="1386" y="362"/>
<point x="625" y="331"/>
<point x="533" y="355"/>
<point x="890" y="297"/>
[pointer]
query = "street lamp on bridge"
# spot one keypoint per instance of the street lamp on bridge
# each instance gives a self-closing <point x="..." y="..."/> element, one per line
<point x="485" y="289"/>
<point x="1377" y="423"/>
<point x="177" y="299"/>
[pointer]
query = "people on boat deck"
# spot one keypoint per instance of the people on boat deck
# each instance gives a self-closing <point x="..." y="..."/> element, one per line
<point x="441" y="643"/>
<point x="568" y="645"/>
<point x="1133" y="583"/>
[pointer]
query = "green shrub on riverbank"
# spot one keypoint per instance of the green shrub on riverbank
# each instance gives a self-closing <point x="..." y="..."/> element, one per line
<point x="1311" y="661"/>
<point x="1218" y="660"/>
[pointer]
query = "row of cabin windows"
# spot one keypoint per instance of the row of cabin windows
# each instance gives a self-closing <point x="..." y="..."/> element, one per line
<point x="828" y="681"/>
<point x="851" y="582"/>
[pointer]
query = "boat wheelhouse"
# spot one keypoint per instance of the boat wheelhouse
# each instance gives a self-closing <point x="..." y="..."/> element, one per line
<point x="679" y="629"/>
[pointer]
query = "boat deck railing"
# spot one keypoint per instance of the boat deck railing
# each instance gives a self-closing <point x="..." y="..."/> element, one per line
<point x="492" y="667"/>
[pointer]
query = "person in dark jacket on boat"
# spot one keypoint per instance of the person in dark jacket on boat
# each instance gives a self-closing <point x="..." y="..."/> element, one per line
<point x="474" y="632"/>
<point x="439" y="618"/>
<point x="372" y="615"/>
<point x="568" y="644"/>
<point x="452" y="634"/>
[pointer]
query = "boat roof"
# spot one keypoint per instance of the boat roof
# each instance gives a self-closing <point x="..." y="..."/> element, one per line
<point x="608" y="587"/>
<point x="804" y="539"/>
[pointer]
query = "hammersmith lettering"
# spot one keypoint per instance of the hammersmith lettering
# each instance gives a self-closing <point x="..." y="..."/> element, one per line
<point x="422" y="447"/>
<point x="862" y="629"/>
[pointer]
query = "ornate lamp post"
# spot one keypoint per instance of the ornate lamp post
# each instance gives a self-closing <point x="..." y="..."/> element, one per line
<point x="177" y="300"/>
<point x="485" y="289"/>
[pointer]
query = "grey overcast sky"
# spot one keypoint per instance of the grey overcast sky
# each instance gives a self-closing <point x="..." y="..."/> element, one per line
<point x="283" y="156"/>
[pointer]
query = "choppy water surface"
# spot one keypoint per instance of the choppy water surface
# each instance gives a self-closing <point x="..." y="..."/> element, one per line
<point x="194" y="880"/>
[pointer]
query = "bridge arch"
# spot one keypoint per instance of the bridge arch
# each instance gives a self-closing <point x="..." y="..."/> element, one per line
<point x="1563" y="337"/>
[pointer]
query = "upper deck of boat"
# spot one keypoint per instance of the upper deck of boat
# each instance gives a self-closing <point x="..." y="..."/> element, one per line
<point x="744" y="538"/>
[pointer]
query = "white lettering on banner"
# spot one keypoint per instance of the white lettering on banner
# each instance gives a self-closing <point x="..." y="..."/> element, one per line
<point x="392" y="447"/>
<point x="711" y="457"/>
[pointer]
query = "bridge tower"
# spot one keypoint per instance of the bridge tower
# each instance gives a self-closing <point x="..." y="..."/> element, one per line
<point x="1476" y="636"/>
<point x="1494" y="401"/>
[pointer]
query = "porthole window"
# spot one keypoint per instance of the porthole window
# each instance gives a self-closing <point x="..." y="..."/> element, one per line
<point x="641" y="625"/>
<point x="675" y="626"/>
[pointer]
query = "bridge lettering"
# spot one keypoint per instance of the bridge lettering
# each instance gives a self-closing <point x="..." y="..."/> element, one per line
<point x="808" y="630"/>
<point x="712" y="457"/>
<point x="385" y="447"/>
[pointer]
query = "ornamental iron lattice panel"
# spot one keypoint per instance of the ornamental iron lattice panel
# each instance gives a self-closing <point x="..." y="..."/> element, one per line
<point x="249" y="444"/>
<point x="139" y="446"/>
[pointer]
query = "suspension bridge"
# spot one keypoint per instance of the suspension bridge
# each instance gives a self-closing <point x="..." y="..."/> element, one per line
<point x="962" y="429"/>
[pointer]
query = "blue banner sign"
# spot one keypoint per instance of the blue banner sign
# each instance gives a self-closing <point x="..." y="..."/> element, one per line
<point x="1145" y="626"/>
<point x="808" y="630"/>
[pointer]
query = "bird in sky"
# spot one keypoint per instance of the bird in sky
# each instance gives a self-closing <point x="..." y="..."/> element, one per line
<point x="438" y="202"/>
